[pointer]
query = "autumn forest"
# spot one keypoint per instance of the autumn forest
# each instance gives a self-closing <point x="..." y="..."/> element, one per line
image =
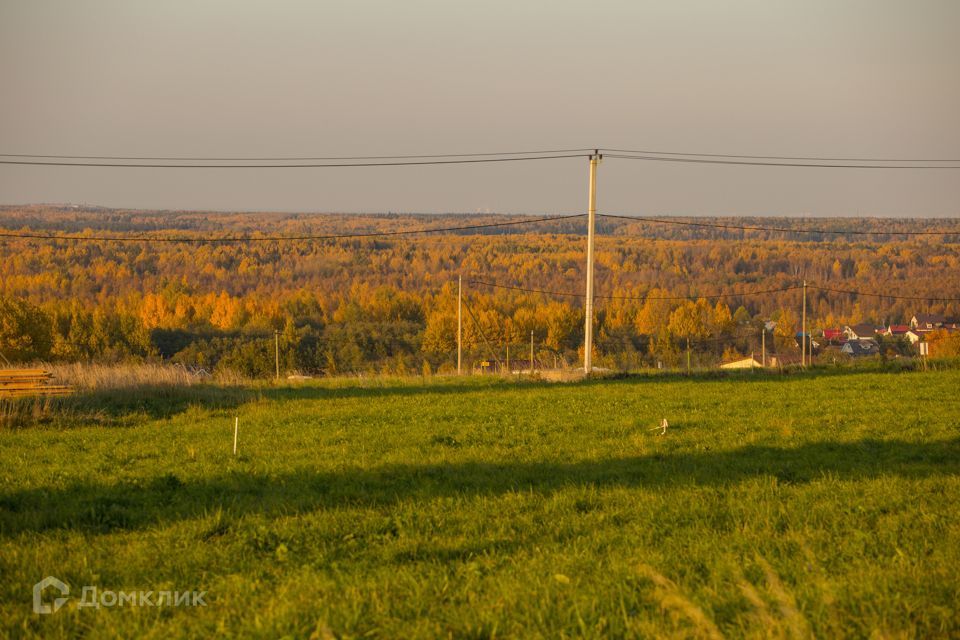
<point x="388" y="303"/>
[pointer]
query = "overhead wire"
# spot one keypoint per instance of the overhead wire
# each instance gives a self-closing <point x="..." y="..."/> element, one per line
<point x="504" y="156"/>
<point x="645" y="152"/>
<point x="777" y="163"/>
<point x="483" y="335"/>
<point x="297" y="158"/>
<point x="740" y="227"/>
<point x="249" y="238"/>
<point x="611" y="152"/>
<point x="882" y="295"/>
<point x="731" y="294"/>
<point x="303" y="165"/>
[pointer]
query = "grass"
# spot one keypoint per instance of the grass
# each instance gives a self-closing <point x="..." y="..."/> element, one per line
<point x="774" y="506"/>
<point x="121" y="394"/>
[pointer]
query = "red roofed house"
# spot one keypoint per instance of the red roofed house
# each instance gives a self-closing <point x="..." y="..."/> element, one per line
<point x="833" y="335"/>
<point x="897" y="330"/>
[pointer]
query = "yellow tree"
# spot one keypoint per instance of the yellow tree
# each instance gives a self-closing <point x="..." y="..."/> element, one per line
<point x="562" y="322"/>
<point x="944" y="344"/>
<point x="440" y="334"/>
<point x="25" y="331"/>
<point x="722" y="319"/>
<point x="690" y="321"/>
<point x="654" y="315"/>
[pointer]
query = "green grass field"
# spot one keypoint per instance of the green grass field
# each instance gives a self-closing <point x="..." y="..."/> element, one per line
<point x="774" y="506"/>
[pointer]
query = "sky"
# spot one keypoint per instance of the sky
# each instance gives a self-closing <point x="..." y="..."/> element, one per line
<point x="850" y="78"/>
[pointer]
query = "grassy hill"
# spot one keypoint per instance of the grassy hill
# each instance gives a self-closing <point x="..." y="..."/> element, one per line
<point x="825" y="504"/>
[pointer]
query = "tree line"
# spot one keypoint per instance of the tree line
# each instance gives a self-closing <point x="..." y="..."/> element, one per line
<point x="389" y="303"/>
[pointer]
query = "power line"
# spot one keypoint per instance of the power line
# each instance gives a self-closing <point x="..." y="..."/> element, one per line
<point x="759" y="163"/>
<point x="631" y="152"/>
<point x="241" y="239"/>
<point x="230" y="239"/>
<point x="482" y="334"/>
<point x="720" y="225"/>
<point x="296" y="158"/>
<point x="304" y="162"/>
<point x="882" y="295"/>
<point x="732" y="294"/>
<point x="399" y="163"/>
<point x="644" y="152"/>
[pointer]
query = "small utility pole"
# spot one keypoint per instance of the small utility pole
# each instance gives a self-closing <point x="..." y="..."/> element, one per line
<point x="459" y="323"/>
<point x="588" y="303"/>
<point x="531" y="353"/>
<point x="803" y="336"/>
<point x="508" y="359"/>
<point x="276" y="350"/>
<point x="763" y="341"/>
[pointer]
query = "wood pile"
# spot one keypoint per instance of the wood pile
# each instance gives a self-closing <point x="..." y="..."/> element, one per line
<point x="29" y="382"/>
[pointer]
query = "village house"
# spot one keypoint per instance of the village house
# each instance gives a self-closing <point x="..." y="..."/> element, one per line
<point x="923" y="324"/>
<point x="783" y="360"/>
<point x="915" y="335"/>
<point x="927" y="321"/>
<point x="744" y="363"/>
<point x="834" y="335"/>
<point x="860" y="348"/>
<point x="897" y="330"/>
<point x="862" y="331"/>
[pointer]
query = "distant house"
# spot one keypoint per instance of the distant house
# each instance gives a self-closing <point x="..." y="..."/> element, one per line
<point x="833" y="335"/>
<point x="927" y="321"/>
<point x="897" y="330"/>
<point x="860" y="348"/>
<point x="862" y="331"/>
<point x="915" y="335"/>
<point x="783" y="360"/>
<point x="743" y="363"/>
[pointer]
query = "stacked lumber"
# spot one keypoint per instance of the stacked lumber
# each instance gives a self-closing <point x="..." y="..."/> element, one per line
<point x="28" y="382"/>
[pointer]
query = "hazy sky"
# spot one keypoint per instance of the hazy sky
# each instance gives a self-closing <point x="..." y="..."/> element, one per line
<point x="326" y="78"/>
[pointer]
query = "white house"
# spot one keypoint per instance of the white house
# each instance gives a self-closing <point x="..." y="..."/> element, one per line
<point x="914" y="335"/>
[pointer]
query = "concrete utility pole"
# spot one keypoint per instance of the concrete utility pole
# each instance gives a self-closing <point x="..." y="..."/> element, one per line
<point x="803" y="336"/>
<point x="459" y="323"/>
<point x="588" y="304"/>
<point x="276" y="350"/>
<point x="531" y="353"/>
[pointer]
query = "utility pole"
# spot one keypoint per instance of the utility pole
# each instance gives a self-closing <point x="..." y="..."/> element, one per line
<point x="763" y="341"/>
<point x="276" y="350"/>
<point x="588" y="304"/>
<point x="459" y="323"/>
<point x="507" y="372"/>
<point x="803" y="342"/>
<point x="531" y="353"/>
